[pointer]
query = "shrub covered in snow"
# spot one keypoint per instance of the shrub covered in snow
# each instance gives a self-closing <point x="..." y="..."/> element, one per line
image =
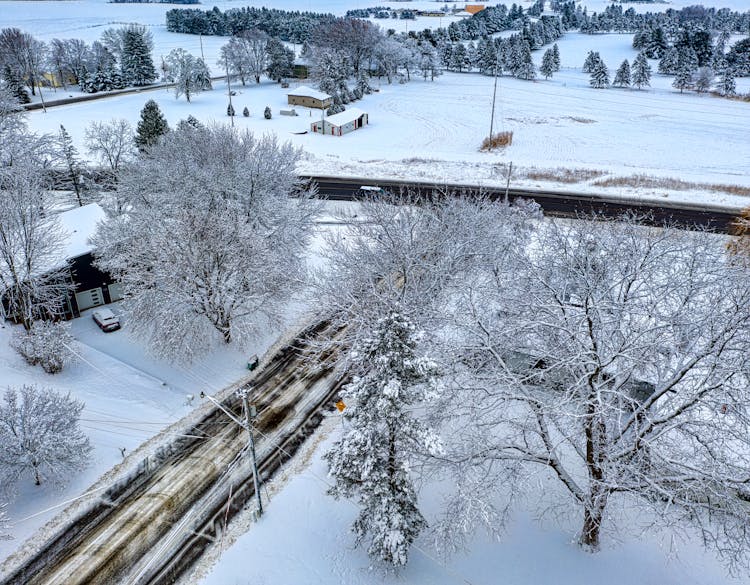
<point x="47" y="344"/>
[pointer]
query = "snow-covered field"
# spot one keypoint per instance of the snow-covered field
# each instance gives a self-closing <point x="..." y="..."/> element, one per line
<point x="432" y="130"/>
<point x="421" y="130"/>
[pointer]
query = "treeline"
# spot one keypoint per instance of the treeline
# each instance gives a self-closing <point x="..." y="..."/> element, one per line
<point x="289" y="26"/>
<point x="615" y="19"/>
<point x="121" y="58"/>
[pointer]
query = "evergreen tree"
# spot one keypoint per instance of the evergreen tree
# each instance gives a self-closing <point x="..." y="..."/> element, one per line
<point x="591" y="60"/>
<point x="656" y="45"/>
<point x="458" y="57"/>
<point x="137" y="66"/>
<point x="547" y="68"/>
<point x="599" y="75"/>
<point x="267" y="113"/>
<point x="280" y="60"/>
<point x="14" y="85"/>
<point x="246" y="112"/>
<point x="371" y="460"/>
<point x="556" y="57"/>
<point x="151" y="126"/>
<point x="641" y="72"/>
<point x="727" y="86"/>
<point x="684" y="78"/>
<point x="669" y="62"/>
<point x="230" y="110"/>
<point x="69" y="155"/>
<point x="526" y="70"/>
<point x="622" y="76"/>
<point x="687" y="59"/>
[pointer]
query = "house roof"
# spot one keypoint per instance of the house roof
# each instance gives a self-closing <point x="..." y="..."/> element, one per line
<point x="78" y="225"/>
<point x="348" y="115"/>
<point x="304" y="91"/>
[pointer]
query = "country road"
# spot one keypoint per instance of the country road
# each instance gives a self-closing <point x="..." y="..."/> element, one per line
<point x="151" y="525"/>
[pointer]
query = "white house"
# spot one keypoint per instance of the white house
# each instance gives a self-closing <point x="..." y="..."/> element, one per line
<point x="342" y="123"/>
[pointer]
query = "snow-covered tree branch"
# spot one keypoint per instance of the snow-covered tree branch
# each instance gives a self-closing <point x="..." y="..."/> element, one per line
<point x="40" y="436"/>
<point x="210" y="245"/>
<point x="616" y="357"/>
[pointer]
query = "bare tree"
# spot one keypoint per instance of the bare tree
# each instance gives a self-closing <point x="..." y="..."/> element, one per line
<point x="210" y="243"/>
<point x="23" y="54"/>
<point x="4" y="523"/>
<point x="12" y="120"/>
<point x="112" y="143"/>
<point x="70" y="58"/>
<point x="33" y="275"/>
<point x="40" y="434"/>
<point x="246" y="55"/>
<point x="355" y="37"/>
<point x="615" y="358"/>
<point x="188" y="73"/>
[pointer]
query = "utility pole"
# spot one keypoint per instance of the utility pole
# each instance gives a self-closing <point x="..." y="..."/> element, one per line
<point x="494" y="95"/>
<point x="249" y="416"/>
<point x="507" y="184"/>
<point x="248" y="425"/>
<point x="229" y="93"/>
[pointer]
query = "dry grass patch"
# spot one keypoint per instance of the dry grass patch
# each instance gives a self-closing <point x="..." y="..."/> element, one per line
<point x="647" y="182"/>
<point x="581" y="120"/>
<point x="499" y="140"/>
<point x="563" y="175"/>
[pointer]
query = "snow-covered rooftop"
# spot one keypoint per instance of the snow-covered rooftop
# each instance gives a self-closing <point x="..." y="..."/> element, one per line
<point x="304" y="91"/>
<point x="345" y="117"/>
<point x="79" y="225"/>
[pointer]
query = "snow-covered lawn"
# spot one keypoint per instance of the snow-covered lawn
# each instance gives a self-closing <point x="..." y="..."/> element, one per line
<point x="304" y="537"/>
<point x="129" y="398"/>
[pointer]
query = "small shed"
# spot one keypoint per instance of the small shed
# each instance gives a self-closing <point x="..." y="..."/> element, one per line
<point x="342" y="123"/>
<point x="312" y="98"/>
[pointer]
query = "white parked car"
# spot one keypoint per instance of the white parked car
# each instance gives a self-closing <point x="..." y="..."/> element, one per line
<point x="106" y="320"/>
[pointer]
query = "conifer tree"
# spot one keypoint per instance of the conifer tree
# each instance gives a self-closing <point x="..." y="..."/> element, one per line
<point x="622" y="76"/>
<point x="556" y="57"/>
<point x="151" y="126"/>
<point x="246" y="112"/>
<point x="230" y="110"/>
<point x="591" y="59"/>
<point x="547" y="68"/>
<point x="599" y="75"/>
<point x="727" y="85"/>
<point x="69" y="155"/>
<point x="371" y="460"/>
<point x="14" y="85"/>
<point x="267" y="113"/>
<point x="684" y="78"/>
<point x="641" y="72"/>
<point x="668" y="62"/>
<point x="137" y="65"/>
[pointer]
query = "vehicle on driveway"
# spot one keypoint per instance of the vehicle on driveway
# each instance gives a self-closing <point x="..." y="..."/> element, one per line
<point x="106" y="320"/>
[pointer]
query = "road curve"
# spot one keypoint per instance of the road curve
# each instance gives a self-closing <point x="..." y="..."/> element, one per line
<point x="150" y="526"/>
